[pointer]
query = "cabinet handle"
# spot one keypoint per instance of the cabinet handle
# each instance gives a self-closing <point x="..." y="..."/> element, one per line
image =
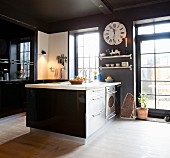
<point x="98" y="113"/>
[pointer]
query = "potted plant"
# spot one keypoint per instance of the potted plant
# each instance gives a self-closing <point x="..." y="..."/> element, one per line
<point x="95" y="74"/>
<point x="142" y="111"/>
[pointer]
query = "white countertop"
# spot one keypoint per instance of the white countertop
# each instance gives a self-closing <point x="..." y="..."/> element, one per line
<point x="68" y="86"/>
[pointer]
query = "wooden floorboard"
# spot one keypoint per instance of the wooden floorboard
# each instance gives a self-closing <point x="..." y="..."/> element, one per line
<point x="121" y="139"/>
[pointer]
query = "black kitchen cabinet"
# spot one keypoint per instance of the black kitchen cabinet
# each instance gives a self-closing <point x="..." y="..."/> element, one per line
<point x="12" y="98"/>
<point x="60" y="111"/>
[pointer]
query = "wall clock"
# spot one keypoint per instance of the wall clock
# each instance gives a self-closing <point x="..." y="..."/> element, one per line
<point x="114" y="33"/>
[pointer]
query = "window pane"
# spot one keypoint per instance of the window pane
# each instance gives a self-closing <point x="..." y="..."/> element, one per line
<point x="21" y="57"/>
<point x="146" y="30"/>
<point x="147" y="74"/>
<point x="163" y="102"/>
<point x="151" y="102"/>
<point x="80" y="62"/>
<point x="88" y="40"/>
<point x="80" y="40"/>
<point x="27" y="56"/>
<point x="163" y="88"/>
<point x="97" y="63"/>
<point x="162" y="45"/>
<point x="80" y="51"/>
<point x="163" y="59"/>
<point x="93" y="52"/>
<point x="87" y="51"/>
<point x="21" y="47"/>
<point x="86" y="62"/>
<point x="162" y="28"/>
<point x="91" y="39"/>
<point x="147" y="87"/>
<point x="163" y="74"/>
<point x="147" y="60"/>
<point x="92" y="62"/>
<point x="147" y="46"/>
<point x="27" y="46"/>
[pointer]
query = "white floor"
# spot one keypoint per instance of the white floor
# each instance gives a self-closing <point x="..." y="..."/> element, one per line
<point x="121" y="139"/>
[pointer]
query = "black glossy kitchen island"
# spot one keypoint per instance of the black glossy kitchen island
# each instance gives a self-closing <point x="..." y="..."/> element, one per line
<point x="58" y="111"/>
<point x="74" y="110"/>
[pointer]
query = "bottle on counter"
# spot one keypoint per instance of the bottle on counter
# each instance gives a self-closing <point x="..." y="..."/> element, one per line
<point x="99" y="77"/>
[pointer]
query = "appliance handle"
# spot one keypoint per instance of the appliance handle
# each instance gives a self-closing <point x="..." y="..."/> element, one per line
<point x="112" y="92"/>
<point x="98" y="113"/>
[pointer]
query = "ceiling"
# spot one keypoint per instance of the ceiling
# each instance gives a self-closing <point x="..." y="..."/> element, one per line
<point x="59" y="10"/>
<point x="8" y="29"/>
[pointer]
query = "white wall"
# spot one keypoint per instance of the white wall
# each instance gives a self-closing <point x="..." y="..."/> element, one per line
<point x="55" y="45"/>
<point x="42" y="63"/>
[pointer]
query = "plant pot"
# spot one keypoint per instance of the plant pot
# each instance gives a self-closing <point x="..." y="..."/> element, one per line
<point x="142" y="113"/>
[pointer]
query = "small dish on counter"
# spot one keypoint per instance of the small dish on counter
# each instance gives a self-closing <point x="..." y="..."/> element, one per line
<point x="107" y="65"/>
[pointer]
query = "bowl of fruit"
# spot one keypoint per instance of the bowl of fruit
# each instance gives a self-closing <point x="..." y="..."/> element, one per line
<point x="78" y="80"/>
<point x="109" y="79"/>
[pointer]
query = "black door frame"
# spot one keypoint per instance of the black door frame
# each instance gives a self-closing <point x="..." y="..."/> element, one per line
<point x="139" y="38"/>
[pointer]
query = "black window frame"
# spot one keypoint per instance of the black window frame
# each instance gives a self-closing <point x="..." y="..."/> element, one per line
<point x="76" y="47"/>
<point x="138" y="38"/>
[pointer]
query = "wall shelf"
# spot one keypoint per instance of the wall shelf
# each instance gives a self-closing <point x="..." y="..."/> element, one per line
<point x="4" y="61"/>
<point x="117" y="56"/>
<point x="120" y="67"/>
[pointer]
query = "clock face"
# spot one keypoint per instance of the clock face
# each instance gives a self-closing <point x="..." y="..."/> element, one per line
<point x="114" y="33"/>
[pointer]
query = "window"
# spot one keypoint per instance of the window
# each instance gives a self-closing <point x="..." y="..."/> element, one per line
<point x="87" y="54"/>
<point x="154" y="28"/>
<point x="154" y="64"/>
<point x="25" y="59"/>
